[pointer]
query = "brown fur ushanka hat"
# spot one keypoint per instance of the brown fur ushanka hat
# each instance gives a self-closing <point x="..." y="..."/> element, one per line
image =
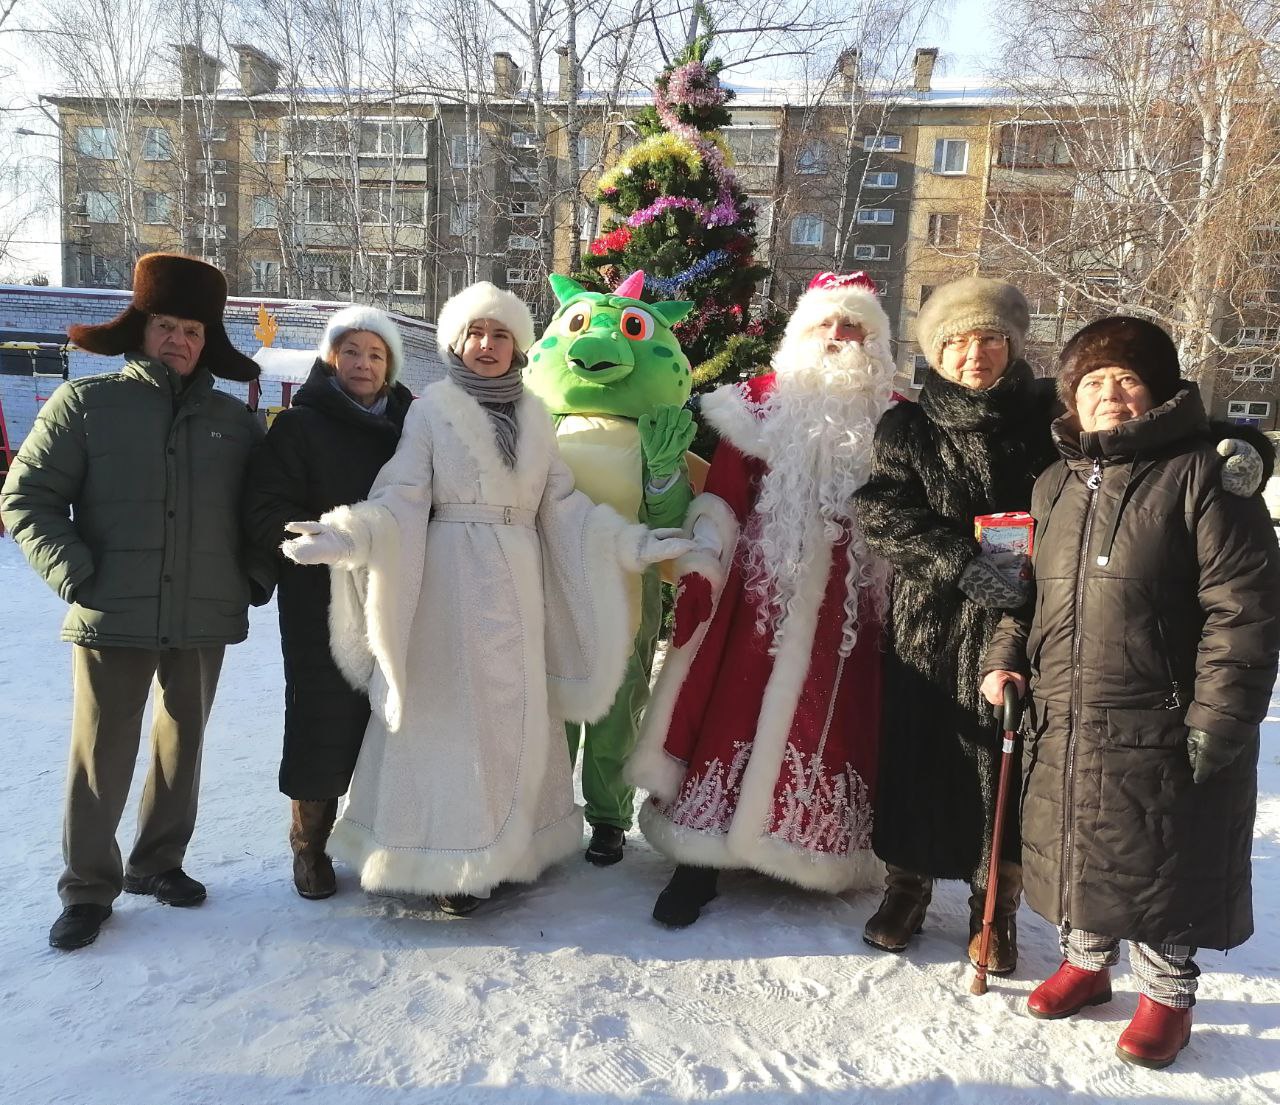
<point x="1121" y="341"/>
<point x="170" y="284"/>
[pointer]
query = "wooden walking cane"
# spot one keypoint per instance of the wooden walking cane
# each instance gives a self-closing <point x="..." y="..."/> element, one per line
<point x="1010" y="719"/>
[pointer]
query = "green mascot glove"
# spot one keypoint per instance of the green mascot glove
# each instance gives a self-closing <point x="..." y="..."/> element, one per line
<point x="1209" y="754"/>
<point x="665" y="435"/>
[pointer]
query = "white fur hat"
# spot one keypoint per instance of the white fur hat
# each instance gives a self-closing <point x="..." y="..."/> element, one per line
<point x="377" y="322"/>
<point x="483" y="300"/>
<point x="853" y="295"/>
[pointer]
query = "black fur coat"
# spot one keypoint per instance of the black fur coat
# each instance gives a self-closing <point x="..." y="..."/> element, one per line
<point x="938" y="463"/>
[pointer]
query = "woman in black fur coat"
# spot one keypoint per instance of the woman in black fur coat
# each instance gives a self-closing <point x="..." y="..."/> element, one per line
<point x="972" y="445"/>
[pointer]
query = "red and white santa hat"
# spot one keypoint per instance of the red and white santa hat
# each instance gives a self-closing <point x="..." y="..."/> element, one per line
<point x="851" y="294"/>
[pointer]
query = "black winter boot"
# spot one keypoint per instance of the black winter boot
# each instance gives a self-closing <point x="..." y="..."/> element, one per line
<point x="690" y="888"/>
<point x="308" y="833"/>
<point x="173" y="887"/>
<point x="901" y="913"/>
<point x="606" y="845"/>
<point x="1002" y="954"/>
<point x="78" y="925"/>
<point x="458" y="905"/>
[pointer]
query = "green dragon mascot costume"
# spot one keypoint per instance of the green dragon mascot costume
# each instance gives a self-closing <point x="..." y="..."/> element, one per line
<point x="614" y="378"/>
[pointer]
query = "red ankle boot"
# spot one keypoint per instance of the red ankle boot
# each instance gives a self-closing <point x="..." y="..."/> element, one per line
<point x="1068" y="990"/>
<point x="1155" y="1035"/>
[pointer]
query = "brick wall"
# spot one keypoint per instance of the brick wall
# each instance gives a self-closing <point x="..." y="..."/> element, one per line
<point x="44" y="314"/>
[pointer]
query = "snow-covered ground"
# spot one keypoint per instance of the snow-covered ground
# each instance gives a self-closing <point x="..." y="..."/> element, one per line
<point x="564" y="993"/>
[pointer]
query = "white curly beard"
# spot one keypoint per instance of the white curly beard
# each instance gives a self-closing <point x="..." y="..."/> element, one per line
<point x="817" y="428"/>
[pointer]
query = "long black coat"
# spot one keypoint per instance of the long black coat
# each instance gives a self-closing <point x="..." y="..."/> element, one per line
<point x="1157" y="608"/>
<point x="321" y="453"/>
<point x="939" y="463"/>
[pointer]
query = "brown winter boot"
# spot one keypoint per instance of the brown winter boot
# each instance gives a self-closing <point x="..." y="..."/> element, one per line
<point x="901" y="913"/>
<point x="1002" y="955"/>
<point x="308" y="833"/>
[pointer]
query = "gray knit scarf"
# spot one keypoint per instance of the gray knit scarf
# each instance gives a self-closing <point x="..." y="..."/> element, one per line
<point x="497" y="395"/>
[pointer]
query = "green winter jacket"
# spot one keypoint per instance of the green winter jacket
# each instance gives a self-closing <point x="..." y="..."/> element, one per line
<point x="125" y="497"/>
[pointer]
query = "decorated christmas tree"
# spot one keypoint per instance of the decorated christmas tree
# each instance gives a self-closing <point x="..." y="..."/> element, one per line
<point x="678" y="214"/>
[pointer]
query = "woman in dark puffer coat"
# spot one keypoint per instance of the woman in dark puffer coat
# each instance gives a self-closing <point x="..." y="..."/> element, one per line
<point x="1152" y="653"/>
<point x="322" y="453"/>
<point x="974" y="444"/>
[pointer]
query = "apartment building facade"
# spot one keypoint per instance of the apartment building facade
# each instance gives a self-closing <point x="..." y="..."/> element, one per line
<point x="400" y="200"/>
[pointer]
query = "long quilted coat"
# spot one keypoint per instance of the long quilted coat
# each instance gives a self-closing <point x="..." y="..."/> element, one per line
<point x="1157" y="608"/>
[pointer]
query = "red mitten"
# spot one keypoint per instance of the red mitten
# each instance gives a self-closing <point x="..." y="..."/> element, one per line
<point x="693" y="607"/>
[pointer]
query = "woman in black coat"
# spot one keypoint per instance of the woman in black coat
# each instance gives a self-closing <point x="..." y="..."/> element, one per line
<point x="1151" y="650"/>
<point x="972" y="445"/>
<point x="322" y="453"/>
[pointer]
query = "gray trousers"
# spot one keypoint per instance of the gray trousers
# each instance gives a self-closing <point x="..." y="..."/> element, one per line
<point x="1165" y="972"/>
<point x="111" y="686"/>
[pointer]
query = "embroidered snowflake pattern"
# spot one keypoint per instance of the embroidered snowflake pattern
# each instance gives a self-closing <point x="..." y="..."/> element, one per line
<point x="820" y="811"/>
<point x="707" y="802"/>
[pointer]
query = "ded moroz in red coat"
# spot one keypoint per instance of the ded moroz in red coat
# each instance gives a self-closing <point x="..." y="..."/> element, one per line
<point x="755" y="760"/>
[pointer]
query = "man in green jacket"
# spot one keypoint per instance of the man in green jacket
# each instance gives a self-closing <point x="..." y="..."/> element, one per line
<point x="125" y="497"/>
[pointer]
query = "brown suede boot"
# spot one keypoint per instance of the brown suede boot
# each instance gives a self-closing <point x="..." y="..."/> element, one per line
<point x="901" y="913"/>
<point x="308" y="833"/>
<point x="1002" y="955"/>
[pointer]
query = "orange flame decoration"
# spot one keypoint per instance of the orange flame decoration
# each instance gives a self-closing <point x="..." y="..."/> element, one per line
<point x="266" y="329"/>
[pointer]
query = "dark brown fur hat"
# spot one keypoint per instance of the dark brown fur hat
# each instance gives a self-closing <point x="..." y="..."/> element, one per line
<point x="1121" y="341"/>
<point x="170" y="284"/>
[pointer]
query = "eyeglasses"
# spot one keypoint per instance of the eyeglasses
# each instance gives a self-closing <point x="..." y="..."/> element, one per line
<point x="961" y="343"/>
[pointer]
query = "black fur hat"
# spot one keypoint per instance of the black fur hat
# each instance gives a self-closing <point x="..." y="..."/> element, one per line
<point x="170" y="284"/>
<point x="1121" y="341"/>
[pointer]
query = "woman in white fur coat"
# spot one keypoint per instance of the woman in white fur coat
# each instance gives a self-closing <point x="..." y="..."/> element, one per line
<point x="482" y="602"/>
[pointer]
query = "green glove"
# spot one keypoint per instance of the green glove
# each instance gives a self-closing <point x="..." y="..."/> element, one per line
<point x="665" y="434"/>
<point x="1208" y="753"/>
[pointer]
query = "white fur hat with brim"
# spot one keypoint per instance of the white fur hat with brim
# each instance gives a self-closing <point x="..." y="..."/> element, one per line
<point x="483" y="300"/>
<point x="377" y="322"/>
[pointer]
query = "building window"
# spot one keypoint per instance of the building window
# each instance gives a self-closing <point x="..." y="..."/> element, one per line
<point x="264" y="276"/>
<point x="587" y="227"/>
<point x="878" y="216"/>
<point x="321" y="205"/>
<point x="157" y="207"/>
<point x="522" y="242"/>
<point x="408" y="207"/>
<point x="812" y="158"/>
<point x="871" y="253"/>
<point x="523" y="209"/>
<point x="212" y="199"/>
<point x="951" y="156"/>
<point x="103" y="207"/>
<point x="524" y="174"/>
<point x="464" y="149"/>
<point x="327" y="274"/>
<point x="217" y="166"/>
<point x="807" y="230"/>
<point x="919" y="370"/>
<point x="463" y="218"/>
<point x="524" y="140"/>
<point x="588" y="152"/>
<point x="520" y="276"/>
<point x="944" y="229"/>
<point x="156" y="144"/>
<point x="763" y="208"/>
<point x="884" y="143"/>
<point x="266" y="145"/>
<point x="1259" y="335"/>
<point x="96" y="271"/>
<point x="454" y="281"/>
<point x="406" y="274"/>
<point x="211" y="231"/>
<point x="1239" y="409"/>
<point x="881" y="180"/>
<point x="393" y="138"/>
<point x="265" y="212"/>
<point x="213" y="134"/>
<point x="98" y="143"/>
<point x="1263" y="373"/>
<point x="752" y="145"/>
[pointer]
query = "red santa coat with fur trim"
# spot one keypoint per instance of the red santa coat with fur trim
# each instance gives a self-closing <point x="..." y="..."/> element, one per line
<point x="755" y="760"/>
